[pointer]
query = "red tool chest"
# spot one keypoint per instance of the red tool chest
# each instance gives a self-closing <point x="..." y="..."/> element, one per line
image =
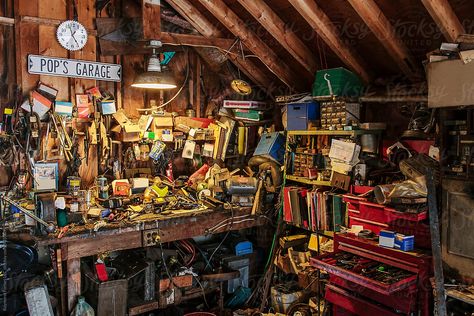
<point x="377" y="217"/>
<point x="365" y="278"/>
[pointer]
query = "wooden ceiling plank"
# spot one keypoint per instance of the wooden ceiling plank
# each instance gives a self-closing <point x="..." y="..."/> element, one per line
<point x="254" y="43"/>
<point x="278" y="29"/>
<point x="321" y="23"/>
<point x="209" y="30"/>
<point x="378" y="23"/>
<point x="444" y="16"/>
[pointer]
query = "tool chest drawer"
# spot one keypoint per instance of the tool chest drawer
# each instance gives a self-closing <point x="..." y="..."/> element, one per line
<point x="379" y="277"/>
<point x="404" y="301"/>
<point x="359" y="208"/>
<point x="346" y="303"/>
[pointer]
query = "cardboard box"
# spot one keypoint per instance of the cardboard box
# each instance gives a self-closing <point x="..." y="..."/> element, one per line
<point x="387" y="238"/>
<point x="404" y="243"/>
<point x="162" y="122"/>
<point x="129" y="131"/>
<point x="192" y="122"/>
<point x="450" y="83"/>
<point x="63" y="108"/>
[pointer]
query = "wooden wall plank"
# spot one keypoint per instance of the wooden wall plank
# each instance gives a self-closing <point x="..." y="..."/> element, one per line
<point x="151" y="17"/>
<point x="132" y="98"/>
<point x="27" y="42"/>
<point x="49" y="46"/>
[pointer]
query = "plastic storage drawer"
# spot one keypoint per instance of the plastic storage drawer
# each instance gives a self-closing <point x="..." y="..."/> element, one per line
<point x="300" y="114"/>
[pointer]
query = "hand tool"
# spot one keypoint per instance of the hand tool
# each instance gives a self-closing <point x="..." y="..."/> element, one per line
<point x="50" y="227"/>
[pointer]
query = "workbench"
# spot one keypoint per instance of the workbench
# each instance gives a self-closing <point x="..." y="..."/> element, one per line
<point x="83" y="241"/>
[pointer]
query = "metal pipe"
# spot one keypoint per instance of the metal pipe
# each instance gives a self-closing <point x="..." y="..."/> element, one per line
<point x="391" y="99"/>
<point x="50" y="227"/>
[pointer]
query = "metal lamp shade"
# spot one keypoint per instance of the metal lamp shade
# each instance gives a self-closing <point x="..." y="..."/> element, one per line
<point x="154" y="80"/>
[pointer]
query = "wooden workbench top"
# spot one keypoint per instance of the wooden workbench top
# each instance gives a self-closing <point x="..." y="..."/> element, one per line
<point x="171" y="227"/>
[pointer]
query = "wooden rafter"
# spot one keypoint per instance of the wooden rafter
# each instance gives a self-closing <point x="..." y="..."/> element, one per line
<point x="320" y="22"/>
<point x="254" y="43"/>
<point x="151" y="19"/>
<point x="284" y="35"/>
<point x="444" y="16"/>
<point x="209" y="30"/>
<point x="378" y="23"/>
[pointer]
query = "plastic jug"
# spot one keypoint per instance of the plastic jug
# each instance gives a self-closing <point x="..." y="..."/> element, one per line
<point x="82" y="308"/>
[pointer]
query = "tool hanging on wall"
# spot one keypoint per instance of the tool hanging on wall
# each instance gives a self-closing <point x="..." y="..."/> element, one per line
<point x="33" y="129"/>
<point x="63" y="136"/>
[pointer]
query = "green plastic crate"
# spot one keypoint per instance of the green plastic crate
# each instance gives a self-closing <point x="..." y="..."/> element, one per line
<point x="343" y="83"/>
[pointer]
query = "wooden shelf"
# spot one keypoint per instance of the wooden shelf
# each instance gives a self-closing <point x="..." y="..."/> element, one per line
<point x="331" y="133"/>
<point x="307" y="181"/>
<point x="327" y="233"/>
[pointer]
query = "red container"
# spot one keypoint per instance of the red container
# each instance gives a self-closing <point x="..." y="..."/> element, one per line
<point x="377" y="217"/>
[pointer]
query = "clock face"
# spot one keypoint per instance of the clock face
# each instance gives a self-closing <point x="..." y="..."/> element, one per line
<point x="71" y="35"/>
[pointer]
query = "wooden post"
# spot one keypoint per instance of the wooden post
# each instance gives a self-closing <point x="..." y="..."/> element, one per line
<point x="198" y="87"/>
<point x="151" y="19"/>
<point x="73" y="282"/>
<point x="436" y="242"/>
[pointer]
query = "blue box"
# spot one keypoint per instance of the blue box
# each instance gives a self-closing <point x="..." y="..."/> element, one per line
<point x="404" y="243"/>
<point x="298" y="115"/>
<point x="387" y="238"/>
<point x="272" y="146"/>
<point x="243" y="248"/>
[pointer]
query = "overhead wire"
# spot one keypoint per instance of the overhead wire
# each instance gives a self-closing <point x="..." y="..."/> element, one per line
<point x="232" y="53"/>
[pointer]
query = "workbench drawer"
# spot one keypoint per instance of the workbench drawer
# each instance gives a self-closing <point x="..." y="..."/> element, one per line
<point x="331" y="263"/>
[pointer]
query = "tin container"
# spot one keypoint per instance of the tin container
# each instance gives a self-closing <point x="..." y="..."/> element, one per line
<point x="102" y="187"/>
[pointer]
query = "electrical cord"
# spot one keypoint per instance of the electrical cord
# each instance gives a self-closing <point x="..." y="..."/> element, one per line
<point x="222" y="241"/>
<point x="182" y="86"/>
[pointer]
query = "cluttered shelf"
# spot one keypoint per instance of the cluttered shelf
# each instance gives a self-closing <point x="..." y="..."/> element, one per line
<point x="352" y="133"/>
<point x="307" y="181"/>
<point x="326" y="233"/>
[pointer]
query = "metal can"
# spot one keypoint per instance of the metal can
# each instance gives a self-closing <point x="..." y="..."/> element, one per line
<point x="73" y="185"/>
<point x="102" y="187"/>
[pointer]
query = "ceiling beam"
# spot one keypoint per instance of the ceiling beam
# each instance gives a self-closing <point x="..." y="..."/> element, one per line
<point x="254" y="43"/>
<point x="444" y="16"/>
<point x="151" y="19"/>
<point x="284" y="35"/>
<point x="378" y="23"/>
<point x="209" y="30"/>
<point x="322" y="25"/>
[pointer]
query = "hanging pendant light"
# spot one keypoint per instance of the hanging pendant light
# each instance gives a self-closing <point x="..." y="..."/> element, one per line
<point x="156" y="75"/>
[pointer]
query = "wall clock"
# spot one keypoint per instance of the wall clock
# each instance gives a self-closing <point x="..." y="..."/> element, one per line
<point x="71" y="35"/>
